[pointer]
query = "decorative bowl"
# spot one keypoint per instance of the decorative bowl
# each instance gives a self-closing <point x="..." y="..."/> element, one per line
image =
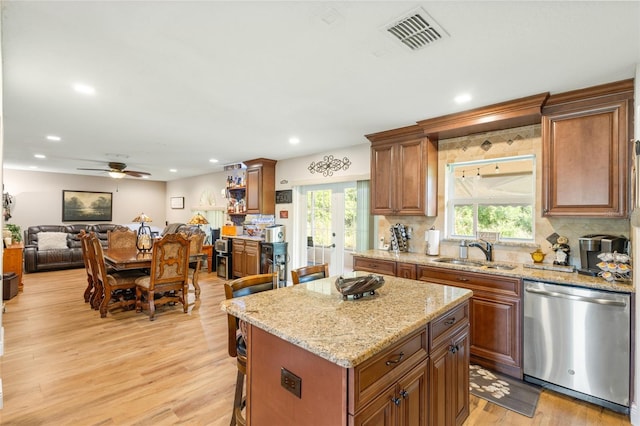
<point x="358" y="286"/>
<point x="537" y="256"/>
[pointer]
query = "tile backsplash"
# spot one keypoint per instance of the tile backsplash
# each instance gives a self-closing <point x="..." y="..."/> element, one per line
<point x="504" y="143"/>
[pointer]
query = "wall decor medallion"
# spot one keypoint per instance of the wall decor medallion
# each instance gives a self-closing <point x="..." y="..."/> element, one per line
<point x="80" y="206"/>
<point x="328" y="165"/>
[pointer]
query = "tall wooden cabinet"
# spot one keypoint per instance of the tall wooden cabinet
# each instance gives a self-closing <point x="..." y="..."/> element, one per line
<point x="261" y="186"/>
<point x="13" y="260"/>
<point x="404" y="172"/>
<point x="586" y="151"/>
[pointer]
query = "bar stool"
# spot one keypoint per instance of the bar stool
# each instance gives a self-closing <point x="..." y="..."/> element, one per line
<point x="309" y="273"/>
<point x="236" y="342"/>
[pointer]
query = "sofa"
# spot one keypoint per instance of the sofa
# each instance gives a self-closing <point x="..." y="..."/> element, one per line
<point x="52" y="247"/>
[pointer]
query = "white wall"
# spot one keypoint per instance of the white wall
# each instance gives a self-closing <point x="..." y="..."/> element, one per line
<point x="38" y="196"/>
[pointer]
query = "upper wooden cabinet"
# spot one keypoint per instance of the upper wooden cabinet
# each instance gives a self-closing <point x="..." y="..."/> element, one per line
<point x="404" y="172"/>
<point x="585" y="152"/>
<point x="261" y="186"/>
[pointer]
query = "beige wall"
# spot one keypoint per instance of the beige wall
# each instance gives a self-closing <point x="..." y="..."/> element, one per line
<point x="38" y="196"/>
<point x="467" y="149"/>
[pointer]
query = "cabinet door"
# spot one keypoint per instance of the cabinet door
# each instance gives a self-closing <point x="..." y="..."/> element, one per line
<point x="406" y="270"/>
<point x="254" y="189"/>
<point x="252" y="258"/>
<point x="238" y="258"/>
<point x="410" y="184"/>
<point x="586" y="159"/>
<point x="382" y="180"/>
<point x="495" y="331"/>
<point x="412" y="392"/>
<point x="380" y="412"/>
<point x="449" y="381"/>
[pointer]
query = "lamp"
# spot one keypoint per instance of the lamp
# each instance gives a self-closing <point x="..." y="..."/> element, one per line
<point x="116" y="175"/>
<point x="198" y="219"/>
<point x="144" y="241"/>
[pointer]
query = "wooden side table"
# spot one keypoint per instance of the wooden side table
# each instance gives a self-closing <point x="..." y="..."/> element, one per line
<point x="208" y="250"/>
<point x="12" y="261"/>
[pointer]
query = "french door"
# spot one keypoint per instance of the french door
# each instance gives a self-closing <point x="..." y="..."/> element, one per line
<point x="330" y="212"/>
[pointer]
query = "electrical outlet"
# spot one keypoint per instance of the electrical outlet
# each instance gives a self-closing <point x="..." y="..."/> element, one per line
<point x="291" y="382"/>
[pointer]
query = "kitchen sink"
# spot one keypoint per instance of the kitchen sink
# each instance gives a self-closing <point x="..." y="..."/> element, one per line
<point x="464" y="262"/>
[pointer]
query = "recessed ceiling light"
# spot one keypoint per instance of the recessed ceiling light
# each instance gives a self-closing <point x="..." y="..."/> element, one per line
<point x="84" y="89"/>
<point x="54" y="138"/>
<point x="145" y="177"/>
<point x="40" y="156"/>
<point x="213" y="160"/>
<point x="173" y="170"/>
<point x="462" y="98"/>
<point x="294" y="141"/>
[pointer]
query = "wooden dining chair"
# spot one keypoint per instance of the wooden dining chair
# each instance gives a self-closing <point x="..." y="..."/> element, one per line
<point x="236" y="341"/>
<point x="116" y="290"/>
<point x="309" y="273"/>
<point x="88" y="266"/>
<point x="196" y="242"/>
<point x="122" y="237"/>
<point x="169" y="275"/>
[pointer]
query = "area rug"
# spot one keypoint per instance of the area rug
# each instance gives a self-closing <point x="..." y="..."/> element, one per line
<point x="507" y="392"/>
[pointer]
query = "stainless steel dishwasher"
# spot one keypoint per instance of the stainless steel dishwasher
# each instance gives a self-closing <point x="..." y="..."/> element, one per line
<point x="577" y="341"/>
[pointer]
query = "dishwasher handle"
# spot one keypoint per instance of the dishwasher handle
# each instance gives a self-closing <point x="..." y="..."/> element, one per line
<point x="563" y="295"/>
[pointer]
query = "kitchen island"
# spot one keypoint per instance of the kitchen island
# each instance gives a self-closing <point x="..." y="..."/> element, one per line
<point x="400" y="356"/>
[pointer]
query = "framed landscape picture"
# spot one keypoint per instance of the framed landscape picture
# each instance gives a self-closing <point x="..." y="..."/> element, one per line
<point x="84" y="206"/>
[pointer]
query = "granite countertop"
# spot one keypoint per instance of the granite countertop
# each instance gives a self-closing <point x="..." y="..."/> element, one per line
<point x="245" y="237"/>
<point x="520" y="271"/>
<point x="314" y="316"/>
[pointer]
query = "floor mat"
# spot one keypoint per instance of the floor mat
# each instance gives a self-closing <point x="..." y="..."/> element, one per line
<point x="507" y="392"/>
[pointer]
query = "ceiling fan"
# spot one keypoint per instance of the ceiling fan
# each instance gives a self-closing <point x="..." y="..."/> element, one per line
<point x="117" y="171"/>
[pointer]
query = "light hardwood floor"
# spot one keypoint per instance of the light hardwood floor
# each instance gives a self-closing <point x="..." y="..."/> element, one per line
<point x="64" y="365"/>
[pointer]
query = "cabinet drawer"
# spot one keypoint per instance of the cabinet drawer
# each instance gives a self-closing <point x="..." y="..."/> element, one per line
<point x="406" y="270"/>
<point x="372" y="376"/>
<point x="385" y="267"/>
<point x="443" y="327"/>
<point x="473" y="281"/>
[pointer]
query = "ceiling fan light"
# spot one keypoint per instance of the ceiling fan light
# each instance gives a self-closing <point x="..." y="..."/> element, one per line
<point x="116" y="175"/>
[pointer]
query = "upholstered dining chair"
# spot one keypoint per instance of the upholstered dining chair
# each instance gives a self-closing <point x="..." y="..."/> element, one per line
<point x="169" y="275"/>
<point x="236" y="344"/>
<point x="115" y="289"/>
<point x="309" y="273"/>
<point x="122" y="237"/>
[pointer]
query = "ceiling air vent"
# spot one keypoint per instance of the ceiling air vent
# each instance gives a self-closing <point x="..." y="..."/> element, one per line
<point x="416" y="30"/>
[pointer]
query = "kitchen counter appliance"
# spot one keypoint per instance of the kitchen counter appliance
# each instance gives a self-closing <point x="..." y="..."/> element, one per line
<point x="223" y="258"/>
<point x="274" y="257"/>
<point x="577" y="342"/>
<point x="592" y="245"/>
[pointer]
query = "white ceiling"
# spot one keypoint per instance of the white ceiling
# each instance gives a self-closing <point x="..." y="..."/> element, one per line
<point x="178" y="83"/>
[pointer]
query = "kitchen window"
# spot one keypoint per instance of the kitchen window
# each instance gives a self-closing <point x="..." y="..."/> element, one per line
<point x="496" y="195"/>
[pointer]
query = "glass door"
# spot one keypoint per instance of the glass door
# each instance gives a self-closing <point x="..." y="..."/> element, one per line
<point x="330" y="229"/>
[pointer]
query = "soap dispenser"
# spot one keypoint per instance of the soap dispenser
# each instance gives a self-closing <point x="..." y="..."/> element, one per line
<point x="463" y="249"/>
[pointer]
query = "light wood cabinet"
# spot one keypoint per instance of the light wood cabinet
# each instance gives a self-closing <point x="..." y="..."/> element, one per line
<point x="586" y="151"/>
<point x="404" y="172"/>
<point x="495" y="312"/>
<point x="245" y="257"/>
<point x="261" y="186"/>
<point x="13" y="260"/>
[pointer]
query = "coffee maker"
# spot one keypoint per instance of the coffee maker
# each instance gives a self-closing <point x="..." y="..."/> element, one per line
<point x="592" y="245"/>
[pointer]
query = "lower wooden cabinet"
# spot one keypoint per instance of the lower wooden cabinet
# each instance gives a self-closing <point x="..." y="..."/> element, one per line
<point x="495" y="316"/>
<point x="245" y="257"/>
<point x="13" y="260"/>
<point x="403" y="404"/>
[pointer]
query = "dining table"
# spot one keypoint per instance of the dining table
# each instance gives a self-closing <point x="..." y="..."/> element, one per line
<point x="123" y="259"/>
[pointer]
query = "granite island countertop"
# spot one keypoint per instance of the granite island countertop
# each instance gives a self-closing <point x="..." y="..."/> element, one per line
<point x="520" y="271"/>
<point x="315" y="317"/>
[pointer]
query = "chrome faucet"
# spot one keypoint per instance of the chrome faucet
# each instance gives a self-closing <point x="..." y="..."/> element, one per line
<point x="487" y="250"/>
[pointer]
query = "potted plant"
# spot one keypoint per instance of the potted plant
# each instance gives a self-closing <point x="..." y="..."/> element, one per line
<point x="16" y="236"/>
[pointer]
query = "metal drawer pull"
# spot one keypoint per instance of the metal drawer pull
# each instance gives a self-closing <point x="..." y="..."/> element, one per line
<point x="450" y="321"/>
<point x="395" y="361"/>
<point x="463" y="279"/>
<point x="395" y="400"/>
<point x="453" y="349"/>
<point x="404" y="394"/>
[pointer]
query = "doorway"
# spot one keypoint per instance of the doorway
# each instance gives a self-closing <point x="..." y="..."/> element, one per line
<point x="331" y="224"/>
